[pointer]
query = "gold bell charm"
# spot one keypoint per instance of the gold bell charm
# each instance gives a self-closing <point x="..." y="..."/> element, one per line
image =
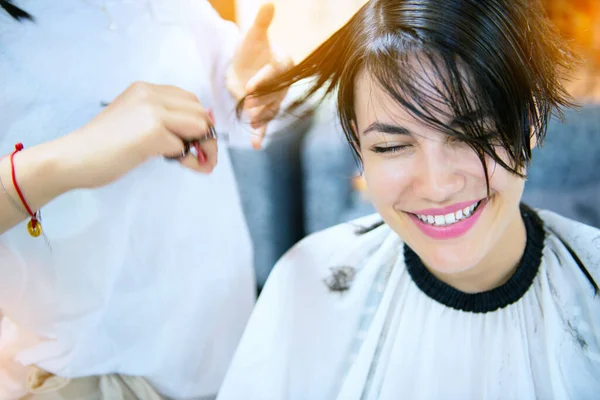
<point x="34" y="228"/>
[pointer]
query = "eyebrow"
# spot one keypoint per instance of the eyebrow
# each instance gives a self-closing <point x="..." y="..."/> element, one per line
<point x="386" y="128"/>
<point x="458" y="121"/>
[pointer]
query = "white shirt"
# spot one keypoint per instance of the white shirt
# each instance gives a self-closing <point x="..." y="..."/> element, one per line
<point x="393" y="335"/>
<point x="152" y="275"/>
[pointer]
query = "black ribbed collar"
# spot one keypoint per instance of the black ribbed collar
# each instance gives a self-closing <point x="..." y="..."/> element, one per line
<point x="494" y="299"/>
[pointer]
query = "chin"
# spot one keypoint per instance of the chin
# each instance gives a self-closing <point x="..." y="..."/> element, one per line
<point x="447" y="262"/>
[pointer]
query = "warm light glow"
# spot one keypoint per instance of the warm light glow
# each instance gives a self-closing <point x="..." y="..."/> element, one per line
<point x="301" y="25"/>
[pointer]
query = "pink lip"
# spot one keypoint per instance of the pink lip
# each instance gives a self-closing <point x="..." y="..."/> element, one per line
<point x="448" y="232"/>
<point x="446" y="210"/>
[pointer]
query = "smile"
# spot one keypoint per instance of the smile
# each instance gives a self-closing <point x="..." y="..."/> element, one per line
<point x="451" y="218"/>
<point x="450" y="222"/>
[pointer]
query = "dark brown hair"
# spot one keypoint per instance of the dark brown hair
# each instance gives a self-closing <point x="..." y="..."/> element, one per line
<point x="514" y="59"/>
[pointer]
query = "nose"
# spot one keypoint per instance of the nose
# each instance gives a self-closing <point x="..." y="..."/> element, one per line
<point x="436" y="177"/>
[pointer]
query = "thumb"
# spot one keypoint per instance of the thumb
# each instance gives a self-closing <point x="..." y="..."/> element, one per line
<point x="263" y="19"/>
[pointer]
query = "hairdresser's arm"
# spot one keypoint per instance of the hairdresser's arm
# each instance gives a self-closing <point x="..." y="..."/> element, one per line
<point x="144" y="122"/>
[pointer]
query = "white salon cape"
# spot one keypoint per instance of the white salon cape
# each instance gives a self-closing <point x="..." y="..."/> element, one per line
<point x="150" y="276"/>
<point x="395" y="334"/>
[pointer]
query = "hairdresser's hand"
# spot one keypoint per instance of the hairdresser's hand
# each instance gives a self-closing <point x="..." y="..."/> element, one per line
<point x="255" y="62"/>
<point x="143" y="122"/>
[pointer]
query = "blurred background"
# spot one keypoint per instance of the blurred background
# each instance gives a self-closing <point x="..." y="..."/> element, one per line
<point x="308" y="179"/>
<point x="578" y="20"/>
<point x="313" y="20"/>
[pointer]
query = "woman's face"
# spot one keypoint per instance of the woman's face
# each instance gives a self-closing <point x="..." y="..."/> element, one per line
<point x="432" y="191"/>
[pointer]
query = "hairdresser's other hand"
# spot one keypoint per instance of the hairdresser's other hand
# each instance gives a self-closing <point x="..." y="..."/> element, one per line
<point x="145" y="121"/>
<point x="255" y="62"/>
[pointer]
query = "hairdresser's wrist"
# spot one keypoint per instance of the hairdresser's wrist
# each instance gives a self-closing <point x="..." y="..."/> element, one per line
<point x="65" y="169"/>
<point x="40" y="173"/>
<point x="73" y="162"/>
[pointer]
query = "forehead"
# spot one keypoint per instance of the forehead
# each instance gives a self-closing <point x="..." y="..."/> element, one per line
<point x="420" y="85"/>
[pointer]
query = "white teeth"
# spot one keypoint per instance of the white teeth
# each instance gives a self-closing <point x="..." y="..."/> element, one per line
<point x="448" y="219"/>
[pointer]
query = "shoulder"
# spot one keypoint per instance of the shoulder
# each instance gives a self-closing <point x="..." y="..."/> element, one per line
<point x="344" y="244"/>
<point x="340" y="238"/>
<point x="580" y="236"/>
<point x="557" y="221"/>
<point x="575" y="242"/>
<point x="572" y="265"/>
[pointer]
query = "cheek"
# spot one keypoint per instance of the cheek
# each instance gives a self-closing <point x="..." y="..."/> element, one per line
<point x="469" y="165"/>
<point x="466" y="162"/>
<point x="388" y="180"/>
<point x="501" y="180"/>
<point x="506" y="183"/>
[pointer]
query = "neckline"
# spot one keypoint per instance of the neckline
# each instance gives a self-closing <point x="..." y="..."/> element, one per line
<point x="494" y="299"/>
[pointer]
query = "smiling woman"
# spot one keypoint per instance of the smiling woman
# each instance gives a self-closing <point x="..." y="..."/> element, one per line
<point x="428" y="183"/>
<point x="453" y="289"/>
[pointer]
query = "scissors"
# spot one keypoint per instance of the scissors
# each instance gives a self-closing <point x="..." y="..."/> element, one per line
<point x="191" y="146"/>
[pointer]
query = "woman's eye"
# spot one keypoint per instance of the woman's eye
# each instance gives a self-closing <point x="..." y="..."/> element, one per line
<point x="389" y="149"/>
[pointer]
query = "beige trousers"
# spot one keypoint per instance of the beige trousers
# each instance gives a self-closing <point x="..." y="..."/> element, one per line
<point x="45" y="386"/>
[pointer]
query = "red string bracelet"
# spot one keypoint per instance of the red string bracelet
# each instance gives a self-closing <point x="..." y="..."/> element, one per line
<point x="34" y="227"/>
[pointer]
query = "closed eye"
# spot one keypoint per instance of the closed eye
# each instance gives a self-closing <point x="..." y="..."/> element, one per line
<point x="389" y="149"/>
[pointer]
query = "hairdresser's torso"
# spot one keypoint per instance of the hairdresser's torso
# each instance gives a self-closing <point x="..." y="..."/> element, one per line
<point x="151" y="275"/>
